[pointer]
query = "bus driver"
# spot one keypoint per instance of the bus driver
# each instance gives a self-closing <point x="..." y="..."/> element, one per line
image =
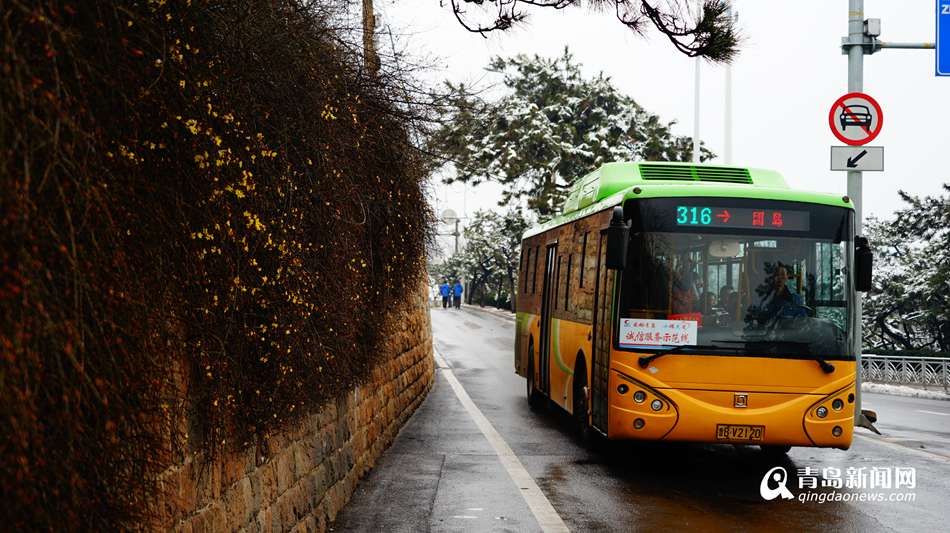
<point x="780" y="301"/>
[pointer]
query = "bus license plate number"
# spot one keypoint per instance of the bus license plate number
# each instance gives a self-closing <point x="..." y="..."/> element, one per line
<point x="739" y="433"/>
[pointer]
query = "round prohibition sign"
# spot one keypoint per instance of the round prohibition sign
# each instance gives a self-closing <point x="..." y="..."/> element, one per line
<point x="856" y="119"/>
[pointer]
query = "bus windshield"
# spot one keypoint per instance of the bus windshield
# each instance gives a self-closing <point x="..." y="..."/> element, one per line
<point x="733" y="276"/>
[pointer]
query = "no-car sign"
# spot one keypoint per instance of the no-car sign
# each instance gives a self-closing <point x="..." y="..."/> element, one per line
<point x="856" y="119"/>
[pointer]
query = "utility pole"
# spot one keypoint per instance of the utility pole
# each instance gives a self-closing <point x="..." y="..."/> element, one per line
<point x="449" y="217"/>
<point x="456" y="235"/>
<point x="699" y="16"/>
<point x="727" y="119"/>
<point x="370" y="57"/>
<point x="861" y="40"/>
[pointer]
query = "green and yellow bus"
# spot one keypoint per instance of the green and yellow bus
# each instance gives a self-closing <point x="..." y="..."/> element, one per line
<point x="683" y="302"/>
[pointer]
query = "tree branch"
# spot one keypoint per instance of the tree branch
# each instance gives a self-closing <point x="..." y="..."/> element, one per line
<point x="712" y="36"/>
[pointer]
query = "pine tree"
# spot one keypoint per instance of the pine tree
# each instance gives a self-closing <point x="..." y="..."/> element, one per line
<point x="708" y="32"/>
<point x="909" y="307"/>
<point x="550" y="127"/>
<point x="489" y="263"/>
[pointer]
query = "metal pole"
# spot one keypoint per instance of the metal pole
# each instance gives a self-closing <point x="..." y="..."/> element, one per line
<point x="856" y="84"/>
<point x="456" y="234"/>
<point x="946" y="379"/>
<point x="727" y="152"/>
<point x="907" y="46"/>
<point x="696" y="114"/>
<point x="699" y="7"/>
<point x="728" y="118"/>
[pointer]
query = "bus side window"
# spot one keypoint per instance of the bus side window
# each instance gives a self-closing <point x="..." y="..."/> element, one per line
<point x="534" y="271"/>
<point x="582" y="273"/>
<point x="567" y="281"/>
<point x="524" y="270"/>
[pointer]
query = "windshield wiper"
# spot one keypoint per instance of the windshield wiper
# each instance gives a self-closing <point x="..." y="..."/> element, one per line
<point x="647" y="359"/>
<point x="827" y="367"/>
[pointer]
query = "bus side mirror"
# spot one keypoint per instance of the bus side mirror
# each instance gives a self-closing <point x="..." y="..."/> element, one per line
<point x="618" y="235"/>
<point x="863" y="261"/>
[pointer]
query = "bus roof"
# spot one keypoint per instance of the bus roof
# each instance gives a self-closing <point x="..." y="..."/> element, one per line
<point x="613" y="183"/>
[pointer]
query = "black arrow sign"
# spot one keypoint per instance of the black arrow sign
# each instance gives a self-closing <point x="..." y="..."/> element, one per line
<point x="853" y="161"/>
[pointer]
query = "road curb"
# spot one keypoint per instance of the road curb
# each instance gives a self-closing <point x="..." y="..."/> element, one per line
<point x="500" y="313"/>
<point x="904" y="390"/>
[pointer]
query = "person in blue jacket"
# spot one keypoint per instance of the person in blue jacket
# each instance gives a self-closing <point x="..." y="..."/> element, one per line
<point x="781" y="301"/>
<point x="457" y="293"/>
<point x="445" y="291"/>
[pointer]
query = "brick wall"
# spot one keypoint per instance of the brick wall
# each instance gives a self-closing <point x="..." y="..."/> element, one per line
<point x="298" y="480"/>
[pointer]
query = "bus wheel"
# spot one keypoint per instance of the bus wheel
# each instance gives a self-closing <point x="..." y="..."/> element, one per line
<point x="581" y="426"/>
<point x="534" y="400"/>
<point x="776" y="451"/>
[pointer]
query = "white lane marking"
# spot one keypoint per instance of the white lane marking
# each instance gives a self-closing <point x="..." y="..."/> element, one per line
<point x="883" y="441"/>
<point x="933" y="412"/>
<point x="439" y="362"/>
<point x="467" y="516"/>
<point x="540" y="507"/>
<point x="475" y="509"/>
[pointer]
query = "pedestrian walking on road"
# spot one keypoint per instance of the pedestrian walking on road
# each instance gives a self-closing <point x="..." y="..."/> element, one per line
<point x="457" y="293"/>
<point x="446" y="292"/>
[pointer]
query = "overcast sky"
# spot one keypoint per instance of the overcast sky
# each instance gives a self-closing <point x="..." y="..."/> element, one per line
<point x="788" y="73"/>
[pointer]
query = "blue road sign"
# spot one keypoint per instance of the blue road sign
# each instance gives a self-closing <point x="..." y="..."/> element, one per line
<point x="943" y="38"/>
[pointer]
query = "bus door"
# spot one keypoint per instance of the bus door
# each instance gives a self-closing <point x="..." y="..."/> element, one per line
<point x="600" y="348"/>
<point x="547" y="299"/>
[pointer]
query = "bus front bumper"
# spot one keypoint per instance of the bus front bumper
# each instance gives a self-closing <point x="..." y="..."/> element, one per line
<point x="718" y="416"/>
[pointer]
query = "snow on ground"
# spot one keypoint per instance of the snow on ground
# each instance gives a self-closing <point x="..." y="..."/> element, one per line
<point x="903" y="390"/>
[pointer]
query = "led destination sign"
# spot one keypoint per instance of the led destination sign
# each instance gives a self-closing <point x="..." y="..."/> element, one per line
<point x="742" y="218"/>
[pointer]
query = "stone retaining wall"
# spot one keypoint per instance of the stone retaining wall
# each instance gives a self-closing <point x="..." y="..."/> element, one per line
<point x="300" y="479"/>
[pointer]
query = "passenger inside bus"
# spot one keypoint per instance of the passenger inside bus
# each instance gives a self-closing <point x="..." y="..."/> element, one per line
<point x="685" y="293"/>
<point x="729" y="305"/>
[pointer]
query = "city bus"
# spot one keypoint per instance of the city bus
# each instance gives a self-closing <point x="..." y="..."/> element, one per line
<point x="691" y="302"/>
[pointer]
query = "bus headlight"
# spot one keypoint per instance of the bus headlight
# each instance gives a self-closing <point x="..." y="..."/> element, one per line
<point x="651" y="414"/>
<point x="827" y="422"/>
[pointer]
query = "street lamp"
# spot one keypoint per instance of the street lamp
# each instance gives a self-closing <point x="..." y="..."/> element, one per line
<point x="449" y="217"/>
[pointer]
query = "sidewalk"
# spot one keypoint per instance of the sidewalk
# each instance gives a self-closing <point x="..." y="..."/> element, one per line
<point x="440" y="475"/>
<point x="931" y="392"/>
<point x="501" y="313"/>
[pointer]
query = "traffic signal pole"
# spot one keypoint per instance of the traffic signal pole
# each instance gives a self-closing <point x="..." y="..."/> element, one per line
<point x="862" y="39"/>
<point x="855" y="51"/>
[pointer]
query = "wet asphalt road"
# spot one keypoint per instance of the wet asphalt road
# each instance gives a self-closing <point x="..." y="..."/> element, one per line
<point x="441" y="474"/>
<point x="914" y="422"/>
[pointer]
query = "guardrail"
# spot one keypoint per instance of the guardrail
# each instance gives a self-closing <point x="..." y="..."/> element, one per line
<point x="906" y="370"/>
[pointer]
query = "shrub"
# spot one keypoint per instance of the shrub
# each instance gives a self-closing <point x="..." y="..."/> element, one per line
<point x="205" y="206"/>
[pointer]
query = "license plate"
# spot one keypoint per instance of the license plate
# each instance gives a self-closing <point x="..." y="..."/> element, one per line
<point x="739" y="433"/>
